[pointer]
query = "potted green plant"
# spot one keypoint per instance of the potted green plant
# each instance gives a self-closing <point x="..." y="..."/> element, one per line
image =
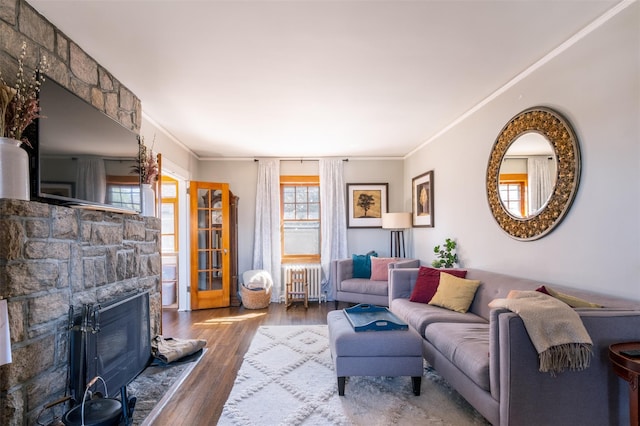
<point x="445" y="255"/>
<point x="19" y="106"/>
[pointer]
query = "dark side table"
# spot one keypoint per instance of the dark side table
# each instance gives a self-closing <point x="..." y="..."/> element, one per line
<point x="628" y="368"/>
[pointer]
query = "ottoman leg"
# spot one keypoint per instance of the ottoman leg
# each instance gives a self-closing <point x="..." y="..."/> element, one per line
<point x="341" y="381"/>
<point x="415" y="382"/>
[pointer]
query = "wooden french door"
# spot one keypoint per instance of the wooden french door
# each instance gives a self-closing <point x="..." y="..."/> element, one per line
<point x="210" y="239"/>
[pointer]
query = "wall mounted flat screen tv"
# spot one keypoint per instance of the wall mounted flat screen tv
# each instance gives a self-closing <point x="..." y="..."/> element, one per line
<point x="81" y="156"/>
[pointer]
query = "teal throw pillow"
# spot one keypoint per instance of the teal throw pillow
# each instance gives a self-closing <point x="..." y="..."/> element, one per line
<point x="362" y="264"/>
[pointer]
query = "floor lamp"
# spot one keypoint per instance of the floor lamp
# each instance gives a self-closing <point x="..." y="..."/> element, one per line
<point x="397" y="223"/>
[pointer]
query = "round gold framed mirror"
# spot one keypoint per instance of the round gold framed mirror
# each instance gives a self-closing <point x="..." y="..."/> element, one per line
<point x="531" y="198"/>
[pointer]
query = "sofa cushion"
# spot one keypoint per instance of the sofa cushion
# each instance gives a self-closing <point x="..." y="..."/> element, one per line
<point x="361" y="285"/>
<point x="455" y="293"/>
<point x="420" y="315"/>
<point x="427" y="282"/>
<point x="466" y="346"/>
<point x="380" y="268"/>
<point x="362" y="264"/>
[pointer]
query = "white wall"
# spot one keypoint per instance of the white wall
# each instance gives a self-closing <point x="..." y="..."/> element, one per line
<point x="363" y="240"/>
<point x="179" y="163"/>
<point x="595" y="84"/>
<point x="241" y="175"/>
<point x="174" y="154"/>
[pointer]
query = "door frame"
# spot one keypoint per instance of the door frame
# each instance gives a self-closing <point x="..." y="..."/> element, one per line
<point x="184" y="280"/>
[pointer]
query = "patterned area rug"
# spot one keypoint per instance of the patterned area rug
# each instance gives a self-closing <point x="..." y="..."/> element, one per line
<point x="287" y="378"/>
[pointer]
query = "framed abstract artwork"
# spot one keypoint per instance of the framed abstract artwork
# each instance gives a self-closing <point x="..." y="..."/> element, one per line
<point x="422" y="200"/>
<point x="365" y="204"/>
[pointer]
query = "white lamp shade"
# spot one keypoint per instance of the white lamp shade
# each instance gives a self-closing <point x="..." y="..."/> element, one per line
<point x="396" y="220"/>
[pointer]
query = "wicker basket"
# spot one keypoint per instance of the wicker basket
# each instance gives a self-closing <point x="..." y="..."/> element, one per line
<point x="255" y="299"/>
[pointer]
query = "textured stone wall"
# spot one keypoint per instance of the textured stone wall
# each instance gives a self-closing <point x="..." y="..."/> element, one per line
<point x="54" y="257"/>
<point x="69" y="65"/>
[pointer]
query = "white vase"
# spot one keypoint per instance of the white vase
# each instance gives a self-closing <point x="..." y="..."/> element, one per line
<point x="148" y="200"/>
<point x="14" y="170"/>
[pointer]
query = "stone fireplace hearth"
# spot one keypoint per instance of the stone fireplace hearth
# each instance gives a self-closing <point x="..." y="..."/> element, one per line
<point x="54" y="257"/>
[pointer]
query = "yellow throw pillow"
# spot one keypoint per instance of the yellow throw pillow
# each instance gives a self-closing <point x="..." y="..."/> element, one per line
<point x="455" y="293"/>
<point x="574" y="302"/>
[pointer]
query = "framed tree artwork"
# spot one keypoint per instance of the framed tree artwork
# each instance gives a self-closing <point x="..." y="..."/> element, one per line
<point x="365" y="204"/>
<point x="422" y="200"/>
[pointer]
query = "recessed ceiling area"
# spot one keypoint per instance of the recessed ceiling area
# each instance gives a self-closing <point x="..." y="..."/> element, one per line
<point x="315" y="78"/>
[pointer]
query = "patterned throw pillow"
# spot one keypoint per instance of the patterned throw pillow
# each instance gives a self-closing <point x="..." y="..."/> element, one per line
<point x="427" y="282"/>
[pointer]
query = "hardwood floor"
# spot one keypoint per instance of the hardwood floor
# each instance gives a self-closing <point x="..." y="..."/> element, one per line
<point x="228" y="332"/>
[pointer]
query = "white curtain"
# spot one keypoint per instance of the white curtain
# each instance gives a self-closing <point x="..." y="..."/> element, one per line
<point x="333" y="219"/>
<point x="266" y="239"/>
<point x="541" y="181"/>
<point x="91" y="179"/>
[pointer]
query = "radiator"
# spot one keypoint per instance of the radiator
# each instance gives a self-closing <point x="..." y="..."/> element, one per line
<point x="314" y="276"/>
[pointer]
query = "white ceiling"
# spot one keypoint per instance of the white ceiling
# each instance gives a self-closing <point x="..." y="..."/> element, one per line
<point x="315" y="78"/>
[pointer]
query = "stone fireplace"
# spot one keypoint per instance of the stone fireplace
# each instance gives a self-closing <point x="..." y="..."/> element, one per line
<point x="54" y="257"/>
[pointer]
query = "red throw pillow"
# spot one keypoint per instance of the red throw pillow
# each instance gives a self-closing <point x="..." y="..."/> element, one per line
<point x="543" y="289"/>
<point x="428" y="281"/>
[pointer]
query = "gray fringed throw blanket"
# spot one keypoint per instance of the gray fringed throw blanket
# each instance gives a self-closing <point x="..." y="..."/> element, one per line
<point x="554" y="328"/>
<point x="172" y="349"/>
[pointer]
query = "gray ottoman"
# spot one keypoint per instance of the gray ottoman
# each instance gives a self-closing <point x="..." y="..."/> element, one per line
<point x="388" y="353"/>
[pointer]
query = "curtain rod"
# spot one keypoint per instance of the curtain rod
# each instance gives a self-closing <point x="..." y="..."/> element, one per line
<point x="299" y="159"/>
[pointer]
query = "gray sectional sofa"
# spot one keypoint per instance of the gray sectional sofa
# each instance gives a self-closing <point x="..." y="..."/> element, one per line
<point x="487" y="355"/>
<point x="363" y="290"/>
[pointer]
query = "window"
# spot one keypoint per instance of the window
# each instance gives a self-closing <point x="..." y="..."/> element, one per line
<point x="300" y="221"/>
<point x="124" y="192"/>
<point x="513" y="189"/>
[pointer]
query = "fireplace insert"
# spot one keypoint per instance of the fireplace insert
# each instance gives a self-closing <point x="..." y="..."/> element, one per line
<point x="112" y="341"/>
